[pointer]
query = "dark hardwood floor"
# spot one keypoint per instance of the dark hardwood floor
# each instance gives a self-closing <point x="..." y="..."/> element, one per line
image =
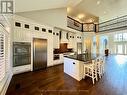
<point x="53" y="81"/>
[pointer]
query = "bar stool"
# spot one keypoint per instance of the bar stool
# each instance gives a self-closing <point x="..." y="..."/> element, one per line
<point x="102" y="62"/>
<point x="90" y="70"/>
<point x="100" y="66"/>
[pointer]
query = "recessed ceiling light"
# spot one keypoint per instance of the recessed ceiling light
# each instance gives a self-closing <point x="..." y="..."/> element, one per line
<point x="69" y="9"/>
<point x="105" y="12"/>
<point x="80" y="16"/>
<point x="98" y="2"/>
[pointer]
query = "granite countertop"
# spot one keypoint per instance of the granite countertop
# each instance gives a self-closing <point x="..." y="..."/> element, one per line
<point x="86" y="57"/>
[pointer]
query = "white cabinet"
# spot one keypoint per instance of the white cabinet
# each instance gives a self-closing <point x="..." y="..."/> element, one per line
<point x="21" y="35"/>
<point x="71" y="42"/>
<point x="21" y="69"/>
<point x="50" y="48"/>
<point x="60" y="60"/>
<point x="56" y="42"/>
<point x="79" y="38"/>
<point x="74" y="68"/>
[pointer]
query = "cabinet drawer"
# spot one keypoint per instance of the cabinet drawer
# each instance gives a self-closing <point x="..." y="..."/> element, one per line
<point x="21" y="69"/>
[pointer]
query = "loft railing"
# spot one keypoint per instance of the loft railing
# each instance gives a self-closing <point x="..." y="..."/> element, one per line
<point x="119" y="23"/>
<point x="74" y="24"/>
<point x="83" y="27"/>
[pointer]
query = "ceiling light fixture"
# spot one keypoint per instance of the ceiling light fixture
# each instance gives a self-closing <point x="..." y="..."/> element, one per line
<point x="81" y="16"/>
<point x="105" y="12"/>
<point x="69" y="9"/>
<point x="98" y="2"/>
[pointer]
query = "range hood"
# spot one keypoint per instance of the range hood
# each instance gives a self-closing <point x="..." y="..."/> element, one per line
<point x="64" y="37"/>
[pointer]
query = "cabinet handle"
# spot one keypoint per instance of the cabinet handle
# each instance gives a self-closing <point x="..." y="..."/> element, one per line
<point x="73" y="62"/>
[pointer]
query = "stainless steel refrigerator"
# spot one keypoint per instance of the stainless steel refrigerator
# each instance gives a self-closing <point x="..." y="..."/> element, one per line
<point x="39" y="54"/>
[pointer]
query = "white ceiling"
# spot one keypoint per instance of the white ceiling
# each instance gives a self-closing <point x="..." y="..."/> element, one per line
<point x="32" y="5"/>
<point x="74" y="12"/>
<point x="106" y="9"/>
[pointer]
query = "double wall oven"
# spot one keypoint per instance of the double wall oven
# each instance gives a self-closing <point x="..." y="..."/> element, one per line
<point x="21" y="53"/>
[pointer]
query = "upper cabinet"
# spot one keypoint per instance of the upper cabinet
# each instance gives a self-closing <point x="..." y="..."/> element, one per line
<point x="20" y="33"/>
<point x="71" y="41"/>
<point x="78" y="38"/>
<point x="56" y="37"/>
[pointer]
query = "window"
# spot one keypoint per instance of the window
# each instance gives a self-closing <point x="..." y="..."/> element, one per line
<point x="120" y="37"/>
<point x="17" y="24"/>
<point x="120" y="40"/>
<point x="124" y="36"/>
<point x="36" y="28"/>
<point x="50" y="31"/>
<point x="43" y="29"/>
<point x="2" y="56"/>
<point x="26" y="26"/>
<point x="120" y="49"/>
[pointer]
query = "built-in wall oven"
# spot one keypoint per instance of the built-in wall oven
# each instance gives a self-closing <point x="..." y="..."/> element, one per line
<point x="56" y="56"/>
<point x="21" y="53"/>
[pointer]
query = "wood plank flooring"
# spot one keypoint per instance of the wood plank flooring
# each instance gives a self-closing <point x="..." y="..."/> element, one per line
<point x="53" y="81"/>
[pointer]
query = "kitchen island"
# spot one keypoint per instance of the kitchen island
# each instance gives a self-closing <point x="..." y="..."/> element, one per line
<point x="73" y="64"/>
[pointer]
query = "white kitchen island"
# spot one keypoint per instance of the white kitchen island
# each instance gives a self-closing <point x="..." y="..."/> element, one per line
<point x="73" y="64"/>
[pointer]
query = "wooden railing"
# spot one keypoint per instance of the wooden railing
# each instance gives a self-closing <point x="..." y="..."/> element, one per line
<point x="119" y="23"/>
<point x="83" y="27"/>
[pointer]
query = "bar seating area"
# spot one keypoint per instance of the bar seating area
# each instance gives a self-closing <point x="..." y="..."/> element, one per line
<point x="95" y="69"/>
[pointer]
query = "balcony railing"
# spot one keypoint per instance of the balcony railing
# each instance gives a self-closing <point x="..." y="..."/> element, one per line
<point x="83" y="27"/>
<point x="114" y="24"/>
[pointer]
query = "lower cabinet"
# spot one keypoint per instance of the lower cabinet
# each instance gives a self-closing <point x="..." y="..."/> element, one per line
<point x="60" y="60"/>
<point x="21" y="69"/>
<point x="74" y="68"/>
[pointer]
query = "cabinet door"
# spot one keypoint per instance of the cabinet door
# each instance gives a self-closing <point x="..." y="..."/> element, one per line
<point x="75" y="69"/>
<point x="55" y="39"/>
<point x="61" y="58"/>
<point x="21" y="69"/>
<point x="71" y="40"/>
<point x="20" y="35"/>
<point x="66" y="65"/>
<point x="78" y="37"/>
<point x="50" y="49"/>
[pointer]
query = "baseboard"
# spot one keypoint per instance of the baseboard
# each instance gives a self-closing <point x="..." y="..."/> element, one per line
<point x="6" y="84"/>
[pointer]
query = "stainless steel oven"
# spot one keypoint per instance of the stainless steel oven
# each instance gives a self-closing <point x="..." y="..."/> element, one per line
<point x="21" y="53"/>
<point x="56" y="57"/>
